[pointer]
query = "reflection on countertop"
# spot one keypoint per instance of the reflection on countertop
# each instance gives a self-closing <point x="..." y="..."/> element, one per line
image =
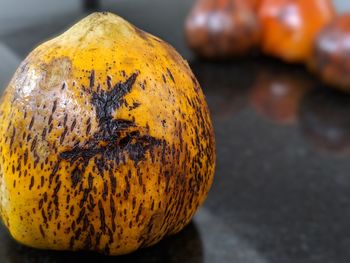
<point x="278" y="91"/>
<point x="285" y="95"/>
<point x="325" y="120"/>
<point x="273" y="189"/>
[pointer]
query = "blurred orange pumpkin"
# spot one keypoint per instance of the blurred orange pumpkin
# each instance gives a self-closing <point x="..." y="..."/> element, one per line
<point x="289" y="27"/>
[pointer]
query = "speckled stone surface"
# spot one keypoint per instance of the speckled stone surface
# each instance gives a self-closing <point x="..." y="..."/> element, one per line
<point x="282" y="187"/>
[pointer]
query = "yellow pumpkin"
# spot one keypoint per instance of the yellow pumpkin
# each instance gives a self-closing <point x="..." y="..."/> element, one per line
<point x="106" y="141"/>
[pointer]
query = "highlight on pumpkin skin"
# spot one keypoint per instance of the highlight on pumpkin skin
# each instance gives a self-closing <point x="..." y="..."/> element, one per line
<point x="221" y="29"/>
<point x="278" y="92"/>
<point x="330" y="59"/>
<point x="289" y="27"/>
<point x="106" y="141"/>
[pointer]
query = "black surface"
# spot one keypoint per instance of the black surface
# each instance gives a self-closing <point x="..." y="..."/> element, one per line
<point x="282" y="186"/>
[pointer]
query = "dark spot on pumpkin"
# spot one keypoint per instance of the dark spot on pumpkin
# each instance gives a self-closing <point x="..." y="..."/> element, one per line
<point x="31" y="123"/>
<point x="170" y="75"/>
<point x="76" y="176"/>
<point x="42" y="231"/>
<point x="54" y="106"/>
<point x="31" y="183"/>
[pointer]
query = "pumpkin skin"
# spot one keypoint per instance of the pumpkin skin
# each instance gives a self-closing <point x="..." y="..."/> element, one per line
<point x="106" y="141"/>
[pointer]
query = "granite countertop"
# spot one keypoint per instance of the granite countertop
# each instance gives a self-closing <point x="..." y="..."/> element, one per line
<point x="282" y="186"/>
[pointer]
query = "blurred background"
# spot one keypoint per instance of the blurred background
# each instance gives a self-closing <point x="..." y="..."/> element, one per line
<point x="282" y="186"/>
